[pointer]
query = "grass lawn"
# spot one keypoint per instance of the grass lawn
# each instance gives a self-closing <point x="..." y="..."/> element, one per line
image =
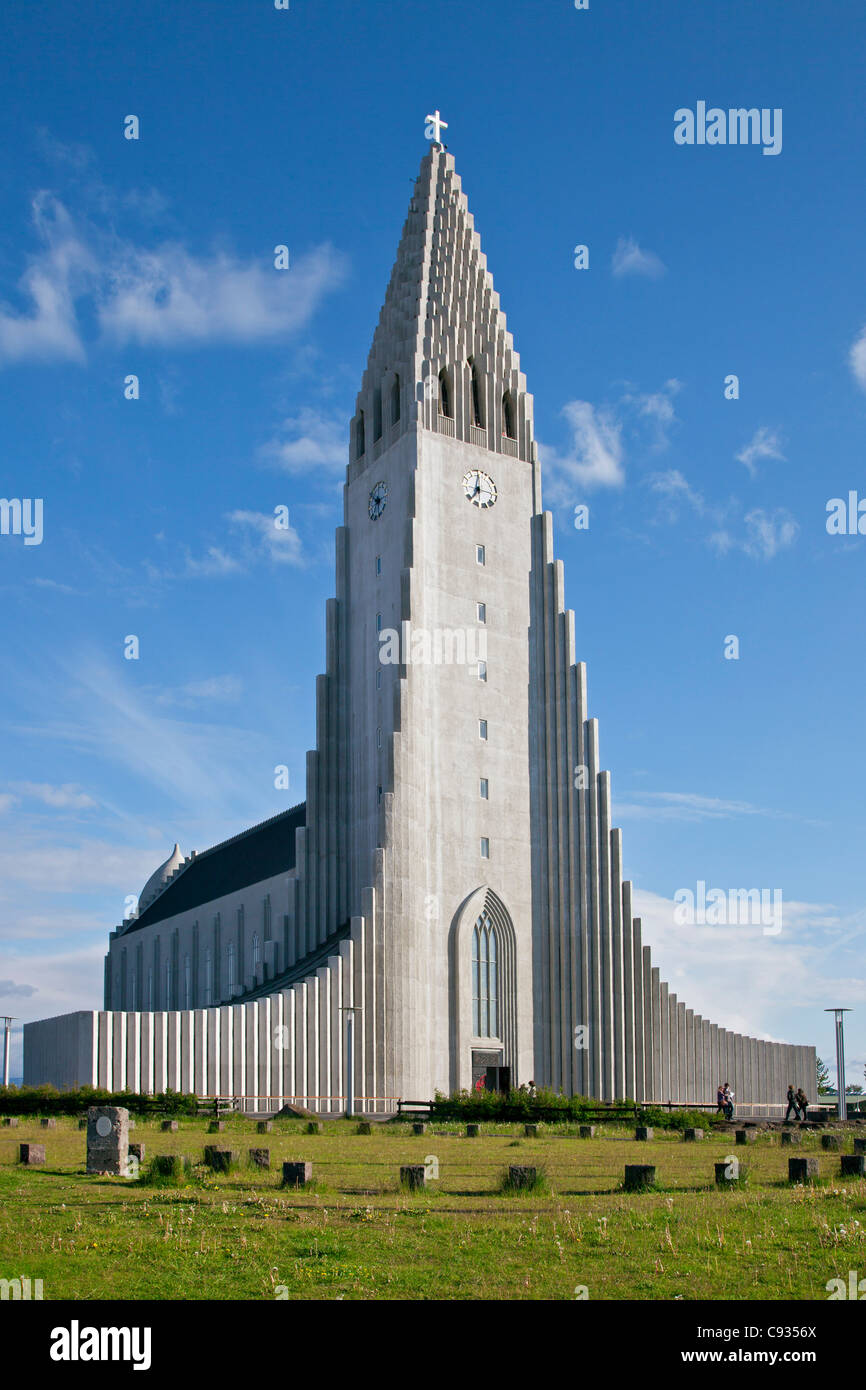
<point x="356" y="1235"/>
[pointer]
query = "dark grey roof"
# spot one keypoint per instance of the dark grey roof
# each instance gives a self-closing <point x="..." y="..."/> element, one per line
<point x="263" y="851"/>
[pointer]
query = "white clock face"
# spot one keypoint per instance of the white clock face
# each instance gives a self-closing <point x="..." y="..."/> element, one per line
<point x="378" y="497"/>
<point x="479" y="488"/>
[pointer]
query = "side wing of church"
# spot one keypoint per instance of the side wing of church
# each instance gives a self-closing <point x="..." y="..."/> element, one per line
<point x="453" y="875"/>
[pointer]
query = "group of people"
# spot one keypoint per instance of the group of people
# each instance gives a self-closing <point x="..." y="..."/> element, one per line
<point x="797" y="1102"/>
<point x="725" y="1101"/>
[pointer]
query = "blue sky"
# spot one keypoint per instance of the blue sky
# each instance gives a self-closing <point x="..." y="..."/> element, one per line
<point x="707" y="516"/>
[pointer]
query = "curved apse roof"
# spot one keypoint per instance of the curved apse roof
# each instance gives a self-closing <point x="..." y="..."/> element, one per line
<point x="263" y="851"/>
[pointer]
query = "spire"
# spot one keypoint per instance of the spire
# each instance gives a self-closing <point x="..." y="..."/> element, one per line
<point x="442" y="315"/>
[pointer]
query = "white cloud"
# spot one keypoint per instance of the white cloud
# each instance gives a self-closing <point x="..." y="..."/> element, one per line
<point x="314" y="441"/>
<point x="596" y="456"/>
<point x="674" y="489"/>
<point x="630" y="259"/>
<point x="764" y="444"/>
<point x="857" y="359"/>
<point x="227" y="689"/>
<point x="67" y="797"/>
<point x="658" y="408"/>
<point x="47" y="329"/>
<point x="171" y="297"/>
<point x="164" y="294"/>
<point x="9" y="989"/>
<point x="767" y="534"/>
<point x="281" y="544"/>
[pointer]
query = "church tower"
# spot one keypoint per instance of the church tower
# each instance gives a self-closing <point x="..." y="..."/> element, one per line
<point x="453" y="876"/>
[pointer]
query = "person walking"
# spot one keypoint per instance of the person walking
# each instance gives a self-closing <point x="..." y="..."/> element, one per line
<point x="720" y="1098"/>
<point x="729" y="1102"/>
<point x="803" y="1103"/>
<point x="792" y="1104"/>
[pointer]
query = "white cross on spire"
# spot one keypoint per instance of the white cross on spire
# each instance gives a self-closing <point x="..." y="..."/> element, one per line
<point x="435" y="126"/>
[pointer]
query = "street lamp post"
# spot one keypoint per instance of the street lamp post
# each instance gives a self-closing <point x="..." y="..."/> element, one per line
<point x="7" y="1045"/>
<point x="840" y="1059"/>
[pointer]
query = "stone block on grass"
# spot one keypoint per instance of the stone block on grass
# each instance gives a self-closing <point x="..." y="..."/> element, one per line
<point x="108" y="1140"/>
<point x="859" y="1145"/>
<point x="169" y="1165"/>
<point x="137" y="1150"/>
<point x="587" y="1131"/>
<point x="852" y="1166"/>
<point x="264" y="1127"/>
<point x="472" y="1131"/>
<point x="297" y="1174"/>
<point x="10" y="1122"/>
<point x="639" y="1176"/>
<point x="790" y="1136"/>
<point x="48" y="1123"/>
<point x="644" y="1133"/>
<point x="413" y="1176"/>
<point x="692" y="1136"/>
<point x="521" y="1176"/>
<point x="216" y="1127"/>
<point x="364" y="1127"/>
<point x="169" y="1126"/>
<point x="831" y="1142"/>
<point x="314" y="1127"/>
<point x="727" y="1172"/>
<point x="220" y="1160"/>
<point x="530" y="1131"/>
<point x="802" y="1169"/>
<point x="31" y="1155"/>
<point x="419" y="1127"/>
<point x="746" y="1136"/>
<point x="260" y="1158"/>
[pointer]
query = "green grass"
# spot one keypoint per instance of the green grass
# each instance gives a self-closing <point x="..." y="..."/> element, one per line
<point x="356" y="1234"/>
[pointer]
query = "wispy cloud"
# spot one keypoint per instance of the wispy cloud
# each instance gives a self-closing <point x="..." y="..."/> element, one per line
<point x="67" y="797"/>
<point x="674" y="491"/>
<point x="629" y="259"/>
<point x="218" y="689"/>
<point x="281" y="544"/>
<point x="595" y="459"/>
<point x="691" y="806"/>
<point x="764" y="444"/>
<point x="857" y="359"/>
<point x="764" y="534"/>
<point x="657" y="407"/>
<point x="163" y="294"/>
<point x="307" y="441"/>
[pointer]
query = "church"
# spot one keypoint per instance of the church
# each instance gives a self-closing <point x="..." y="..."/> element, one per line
<point x="452" y="883"/>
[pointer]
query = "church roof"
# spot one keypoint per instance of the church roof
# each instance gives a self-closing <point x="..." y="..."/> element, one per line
<point x="263" y="851"/>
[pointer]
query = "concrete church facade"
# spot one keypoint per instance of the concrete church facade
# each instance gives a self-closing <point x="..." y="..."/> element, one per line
<point x="453" y="875"/>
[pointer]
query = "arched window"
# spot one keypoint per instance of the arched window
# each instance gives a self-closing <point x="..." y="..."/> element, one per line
<point x="360" y="444"/>
<point x="445" y="403"/>
<point x="208" y="977"/>
<point x="509" y="416"/>
<point x="187" y="983"/>
<point x="230" y="961"/>
<point x="485" y="979"/>
<point x="395" y="401"/>
<point x="477" y="397"/>
<point x="257" y="952"/>
<point x="377" y="414"/>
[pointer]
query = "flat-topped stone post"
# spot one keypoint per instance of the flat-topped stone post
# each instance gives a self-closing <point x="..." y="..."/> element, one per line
<point x="692" y="1136"/>
<point x="521" y="1176"/>
<point x="831" y="1142"/>
<point x="31" y="1155"/>
<point x="413" y="1176"/>
<point x="852" y="1166"/>
<point x="587" y="1131"/>
<point x="297" y="1174"/>
<point x="48" y="1123"/>
<point x="802" y="1169"/>
<point x="790" y="1136"/>
<point x="639" y="1176"/>
<point x="108" y="1140"/>
<point x="169" y="1126"/>
<point x="472" y="1131"/>
<point x="746" y="1136"/>
<point x="727" y="1172"/>
<point x="220" y="1160"/>
<point x="260" y="1158"/>
<point x="643" y="1133"/>
<point x="860" y="1146"/>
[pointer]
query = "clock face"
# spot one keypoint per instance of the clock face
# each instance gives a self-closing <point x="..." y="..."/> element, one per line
<point x="479" y="488"/>
<point x="378" y="497"/>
